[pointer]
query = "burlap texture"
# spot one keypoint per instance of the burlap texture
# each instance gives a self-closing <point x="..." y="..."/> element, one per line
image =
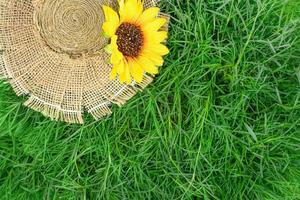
<point x="52" y="51"/>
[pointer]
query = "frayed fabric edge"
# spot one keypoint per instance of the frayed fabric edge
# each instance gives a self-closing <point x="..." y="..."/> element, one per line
<point x="54" y="111"/>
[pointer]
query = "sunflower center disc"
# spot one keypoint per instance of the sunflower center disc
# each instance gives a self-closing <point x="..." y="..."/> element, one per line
<point x="73" y="27"/>
<point x="130" y="39"/>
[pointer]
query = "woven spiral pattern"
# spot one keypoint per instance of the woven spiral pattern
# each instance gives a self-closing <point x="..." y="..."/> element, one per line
<point x="52" y="52"/>
<point x="72" y="26"/>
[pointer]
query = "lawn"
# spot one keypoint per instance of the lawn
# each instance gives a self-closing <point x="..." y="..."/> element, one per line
<point x="221" y="121"/>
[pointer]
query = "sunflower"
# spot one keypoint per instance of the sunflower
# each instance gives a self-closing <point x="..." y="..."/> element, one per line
<point x="135" y="40"/>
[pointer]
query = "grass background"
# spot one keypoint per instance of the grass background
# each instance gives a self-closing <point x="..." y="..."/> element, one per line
<point x="222" y="121"/>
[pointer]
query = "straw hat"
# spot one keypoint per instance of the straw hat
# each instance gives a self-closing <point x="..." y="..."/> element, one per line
<point x="53" y="52"/>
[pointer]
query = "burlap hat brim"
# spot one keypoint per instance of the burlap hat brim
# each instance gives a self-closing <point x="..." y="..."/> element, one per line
<point x="52" y="52"/>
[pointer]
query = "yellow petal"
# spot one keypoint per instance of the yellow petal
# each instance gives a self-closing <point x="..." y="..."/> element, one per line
<point x="109" y="29"/>
<point x="147" y="65"/>
<point x="154" y="25"/>
<point x="113" y="73"/>
<point x="140" y="7"/>
<point x="159" y="49"/>
<point x="114" y="39"/>
<point x="120" y="68"/>
<point x="122" y="78"/>
<point x="125" y="76"/>
<point x="110" y="14"/>
<point x="112" y="21"/>
<point x="113" y="42"/>
<point x="148" y="15"/>
<point x="121" y="8"/>
<point x="131" y="10"/>
<point x="116" y="57"/>
<point x="136" y="71"/>
<point x="154" y="57"/>
<point x="155" y="37"/>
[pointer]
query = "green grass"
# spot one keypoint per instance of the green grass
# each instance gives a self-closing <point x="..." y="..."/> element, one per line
<point x="222" y="121"/>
